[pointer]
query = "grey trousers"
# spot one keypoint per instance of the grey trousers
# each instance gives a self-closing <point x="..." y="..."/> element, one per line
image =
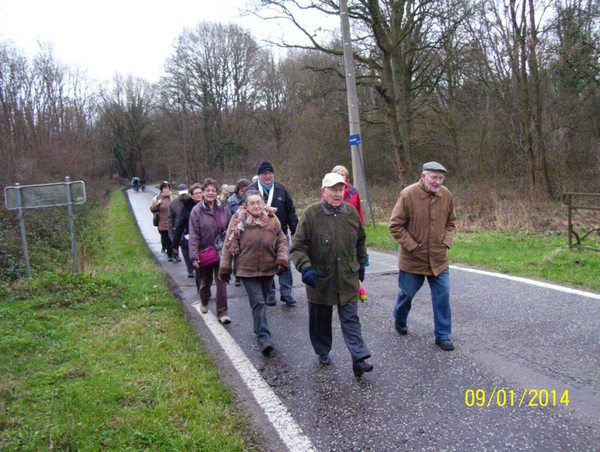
<point x="258" y="289"/>
<point x="319" y="327"/>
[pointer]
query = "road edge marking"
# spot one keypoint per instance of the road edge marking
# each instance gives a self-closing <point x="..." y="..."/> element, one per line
<point x="278" y="414"/>
<point x="532" y="282"/>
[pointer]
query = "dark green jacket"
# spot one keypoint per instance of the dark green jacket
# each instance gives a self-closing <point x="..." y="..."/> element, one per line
<point x="333" y="243"/>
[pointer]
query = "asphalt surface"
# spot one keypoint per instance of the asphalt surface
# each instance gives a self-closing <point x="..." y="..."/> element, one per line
<point x="521" y="345"/>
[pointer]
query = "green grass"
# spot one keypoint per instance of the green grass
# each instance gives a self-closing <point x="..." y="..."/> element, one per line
<point x="532" y="255"/>
<point x="107" y="361"/>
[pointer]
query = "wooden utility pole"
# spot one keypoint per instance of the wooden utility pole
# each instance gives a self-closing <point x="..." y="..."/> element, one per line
<point x="359" y="177"/>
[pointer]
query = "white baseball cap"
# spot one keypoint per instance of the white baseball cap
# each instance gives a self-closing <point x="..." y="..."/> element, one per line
<point x="332" y="179"/>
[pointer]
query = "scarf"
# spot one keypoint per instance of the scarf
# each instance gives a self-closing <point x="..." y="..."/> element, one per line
<point x="241" y="220"/>
<point x="270" y="189"/>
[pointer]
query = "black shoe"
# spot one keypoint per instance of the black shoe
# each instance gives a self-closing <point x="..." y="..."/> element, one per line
<point x="266" y="349"/>
<point x="289" y="300"/>
<point x="270" y="302"/>
<point x="361" y="367"/>
<point x="402" y="329"/>
<point x="190" y="274"/>
<point x="445" y="345"/>
<point x="170" y="259"/>
<point x="325" y="359"/>
<point x="238" y="282"/>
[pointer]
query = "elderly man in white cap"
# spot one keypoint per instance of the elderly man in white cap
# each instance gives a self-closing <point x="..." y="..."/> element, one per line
<point x="329" y="250"/>
<point x="424" y="223"/>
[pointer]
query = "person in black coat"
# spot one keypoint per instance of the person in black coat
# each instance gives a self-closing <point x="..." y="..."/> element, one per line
<point x="180" y="226"/>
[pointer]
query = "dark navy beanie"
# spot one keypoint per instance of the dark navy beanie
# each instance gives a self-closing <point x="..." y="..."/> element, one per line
<point x="264" y="167"/>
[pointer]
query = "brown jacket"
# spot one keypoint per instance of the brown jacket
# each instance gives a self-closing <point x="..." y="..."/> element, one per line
<point x="424" y="224"/>
<point x="162" y="209"/>
<point x="261" y="249"/>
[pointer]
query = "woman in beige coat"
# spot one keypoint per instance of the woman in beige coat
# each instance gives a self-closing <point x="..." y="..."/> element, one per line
<point x="161" y="203"/>
<point x="259" y="247"/>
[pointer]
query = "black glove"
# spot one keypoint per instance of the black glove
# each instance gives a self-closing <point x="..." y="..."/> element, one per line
<point x="224" y="278"/>
<point x="281" y="270"/>
<point x="309" y="277"/>
<point x="361" y="274"/>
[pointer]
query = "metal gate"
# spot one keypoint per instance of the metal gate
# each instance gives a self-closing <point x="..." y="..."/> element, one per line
<point x="582" y="226"/>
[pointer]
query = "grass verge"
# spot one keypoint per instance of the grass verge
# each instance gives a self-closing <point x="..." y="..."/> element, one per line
<point x="95" y="362"/>
<point x="533" y="255"/>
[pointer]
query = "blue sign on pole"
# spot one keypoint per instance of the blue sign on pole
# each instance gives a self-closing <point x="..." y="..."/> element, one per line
<point x="355" y="140"/>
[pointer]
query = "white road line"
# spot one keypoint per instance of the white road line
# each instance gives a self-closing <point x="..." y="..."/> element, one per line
<point x="531" y="282"/>
<point x="289" y="431"/>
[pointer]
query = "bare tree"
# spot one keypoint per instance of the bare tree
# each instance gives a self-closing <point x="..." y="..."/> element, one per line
<point x="510" y="44"/>
<point x="210" y="81"/>
<point x="398" y="50"/>
<point x="127" y="107"/>
<point x="46" y="116"/>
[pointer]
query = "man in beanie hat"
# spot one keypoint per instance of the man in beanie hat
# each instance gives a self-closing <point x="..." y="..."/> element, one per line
<point x="279" y="200"/>
<point x="424" y="223"/>
<point x="329" y="250"/>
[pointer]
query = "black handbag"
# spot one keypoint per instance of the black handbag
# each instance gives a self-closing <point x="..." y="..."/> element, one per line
<point x="155" y="219"/>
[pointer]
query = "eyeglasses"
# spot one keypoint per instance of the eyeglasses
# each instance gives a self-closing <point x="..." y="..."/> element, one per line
<point x="254" y="203"/>
<point x="436" y="178"/>
<point x="198" y="193"/>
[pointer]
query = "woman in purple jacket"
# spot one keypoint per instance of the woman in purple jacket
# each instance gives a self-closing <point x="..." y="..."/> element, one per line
<point x="208" y="224"/>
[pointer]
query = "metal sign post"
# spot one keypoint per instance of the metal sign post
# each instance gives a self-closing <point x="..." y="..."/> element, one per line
<point x="66" y="193"/>
<point x="23" y="235"/>
<point x="72" y="226"/>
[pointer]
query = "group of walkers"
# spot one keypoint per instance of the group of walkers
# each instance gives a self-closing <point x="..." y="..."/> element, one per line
<point x="252" y="233"/>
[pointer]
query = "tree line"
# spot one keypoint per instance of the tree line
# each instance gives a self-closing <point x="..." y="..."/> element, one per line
<point x="497" y="90"/>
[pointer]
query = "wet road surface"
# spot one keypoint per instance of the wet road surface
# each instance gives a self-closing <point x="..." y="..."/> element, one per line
<point x="519" y="349"/>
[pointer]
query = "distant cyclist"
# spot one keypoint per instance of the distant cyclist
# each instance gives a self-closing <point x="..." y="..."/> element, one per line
<point x="135" y="183"/>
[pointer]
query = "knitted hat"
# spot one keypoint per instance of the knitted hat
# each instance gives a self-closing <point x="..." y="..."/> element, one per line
<point x="264" y="167"/>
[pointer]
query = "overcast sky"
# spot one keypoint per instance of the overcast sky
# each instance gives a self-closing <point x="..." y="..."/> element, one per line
<point x="127" y="36"/>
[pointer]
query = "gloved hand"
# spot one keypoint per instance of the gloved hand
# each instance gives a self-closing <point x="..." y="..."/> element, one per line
<point x="361" y="274"/>
<point x="281" y="270"/>
<point x="224" y="278"/>
<point x="309" y="277"/>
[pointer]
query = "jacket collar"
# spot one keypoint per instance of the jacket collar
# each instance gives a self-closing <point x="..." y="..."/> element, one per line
<point x="424" y="193"/>
<point x="331" y="211"/>
<point x="205" y="206"/>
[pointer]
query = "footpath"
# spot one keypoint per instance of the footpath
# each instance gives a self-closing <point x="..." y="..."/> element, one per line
<point x="525" y="374"/>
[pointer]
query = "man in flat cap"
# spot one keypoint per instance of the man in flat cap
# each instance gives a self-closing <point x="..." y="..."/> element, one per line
<point x="424" y="223"/>
<point x="329" y="250"/>
<point x="279" y="200"/>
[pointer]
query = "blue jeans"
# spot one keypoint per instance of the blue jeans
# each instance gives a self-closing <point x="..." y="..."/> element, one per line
<point x="285" y="282"/>
<point x="440" y="296"/>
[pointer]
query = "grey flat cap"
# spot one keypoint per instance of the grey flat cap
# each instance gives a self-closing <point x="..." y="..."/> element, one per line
<point x="434" y="166"/>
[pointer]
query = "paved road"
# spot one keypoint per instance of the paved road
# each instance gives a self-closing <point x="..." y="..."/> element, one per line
<point x="528" y="342"/>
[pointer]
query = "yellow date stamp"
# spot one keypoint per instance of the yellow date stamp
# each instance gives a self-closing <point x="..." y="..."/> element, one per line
<point x="530" y="397"/>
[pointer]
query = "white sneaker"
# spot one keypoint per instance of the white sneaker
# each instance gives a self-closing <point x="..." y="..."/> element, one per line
<point x="203" y="308"/>
<point x="224" y="319"/>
